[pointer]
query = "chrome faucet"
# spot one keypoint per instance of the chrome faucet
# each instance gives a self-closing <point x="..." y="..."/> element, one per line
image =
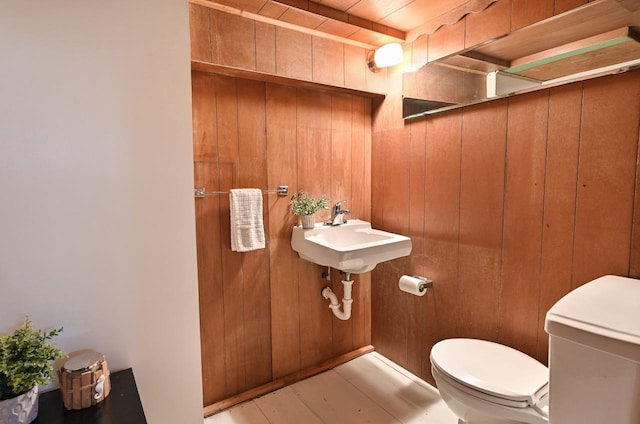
<point x="337" y="214"/>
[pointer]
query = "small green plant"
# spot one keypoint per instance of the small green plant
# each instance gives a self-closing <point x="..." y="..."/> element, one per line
<point x="25" y="359"/>
<point x="303" y="203"/>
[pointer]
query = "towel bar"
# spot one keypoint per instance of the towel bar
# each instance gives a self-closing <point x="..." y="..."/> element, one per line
<point x="199" y="192"/>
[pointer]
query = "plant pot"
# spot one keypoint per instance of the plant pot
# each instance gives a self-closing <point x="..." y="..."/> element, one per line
<point x="308" y="221"/>
<point x="21" y="409"/>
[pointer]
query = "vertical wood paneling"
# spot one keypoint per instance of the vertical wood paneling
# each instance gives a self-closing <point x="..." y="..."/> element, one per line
<point x="491" y="23"/>
<point x="564" y="5"/>
<point x="282" y="169"/>
<point x="354" y="74"/>
<point x="375" y="82"/>
<point x="252" y="170"/>
<point x="231" y="269"/>
<point x="390" y="309"/>
<point x="418" y="307"/>
<point x="524" y="193"/>
<point x="442" y="222"/>
<point x="262" y="314"/>
<point x="361" y="208"/>
<point x="205" y="134"/>
<point x="252" y="143"/>
<point x="341" y="177"/>
<point x="208" y="229"/>
<point x="232" y="40"/>
<point x="561" y="176"/>
<point x="386" y="117"/>
<point x="447" y="40"/>
<point x="314" y="143"/>
<point x="417" y="188"/>
<point x="420" y="51"/>
<point x="200" y="33"/>
<point x="498" y="180"/>
<point x="368" y="159"/>
<point x="567" y="194"/>
<point x="527" y="12"/>
<point x="293" y="54"/>
<point x="606" y="177"/>
<point x="328" y="61"/>
<point x="359" y="158"/>
<point x="314" y="176"/>
<point x="396" y="181"/>
<point x="265" y="48"/>
<point x="380" y="337"/>
<point x="341" y="125"/>
<point x="210" y="287"/>
<point x="481" y="218"/>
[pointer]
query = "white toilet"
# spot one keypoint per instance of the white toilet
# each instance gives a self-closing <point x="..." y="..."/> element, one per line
<point x="485" y="382"/>
<point x="594" y="365"/>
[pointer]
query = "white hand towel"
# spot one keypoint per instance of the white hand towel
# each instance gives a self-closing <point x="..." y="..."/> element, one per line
<point x="247" y="229"/>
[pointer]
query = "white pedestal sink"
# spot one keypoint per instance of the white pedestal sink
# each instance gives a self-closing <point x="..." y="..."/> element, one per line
<point x="353" y="247"/>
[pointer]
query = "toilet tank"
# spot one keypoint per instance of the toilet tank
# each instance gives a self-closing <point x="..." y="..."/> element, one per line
<point x="594" y="353"/>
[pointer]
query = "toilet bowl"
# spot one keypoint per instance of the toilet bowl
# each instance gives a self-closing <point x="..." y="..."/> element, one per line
<point x="485" y="382"/>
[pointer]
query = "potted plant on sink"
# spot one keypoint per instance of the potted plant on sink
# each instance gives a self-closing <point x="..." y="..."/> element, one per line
<point x="306" y="205"/>
<point x="25" y="362"/>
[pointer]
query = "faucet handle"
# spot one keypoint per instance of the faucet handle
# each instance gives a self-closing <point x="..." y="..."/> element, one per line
<point x="337" y="214"/>
<point x="336" y="207"/>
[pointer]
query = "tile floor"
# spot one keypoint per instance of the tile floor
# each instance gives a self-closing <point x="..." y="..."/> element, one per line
<point x="368" y="389"/>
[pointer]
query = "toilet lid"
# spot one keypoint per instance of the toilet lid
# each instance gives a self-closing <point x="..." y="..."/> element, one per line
<point x="492" y="368"/>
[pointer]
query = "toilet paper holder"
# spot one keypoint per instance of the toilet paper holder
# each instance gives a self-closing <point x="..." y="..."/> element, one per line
<point x="426" y="283"/>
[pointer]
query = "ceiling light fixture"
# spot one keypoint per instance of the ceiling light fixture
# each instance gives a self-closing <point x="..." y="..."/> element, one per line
<point x="387" y="55"/>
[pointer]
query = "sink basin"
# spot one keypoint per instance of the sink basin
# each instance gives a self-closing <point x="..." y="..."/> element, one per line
<point x="353" y="247"/>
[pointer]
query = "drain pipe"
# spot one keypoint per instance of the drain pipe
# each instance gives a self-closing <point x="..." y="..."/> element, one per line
<point x="328" y="294"/>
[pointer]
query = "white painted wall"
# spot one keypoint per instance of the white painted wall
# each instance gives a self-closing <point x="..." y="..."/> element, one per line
<point x="97" y="228"/>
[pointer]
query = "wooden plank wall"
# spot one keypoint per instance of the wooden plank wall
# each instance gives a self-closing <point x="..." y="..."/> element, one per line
<point x="519" y="201"/>
<point x="241" y="43"/>
<point x="261" y="313"/>
<point x="510" y="204"/>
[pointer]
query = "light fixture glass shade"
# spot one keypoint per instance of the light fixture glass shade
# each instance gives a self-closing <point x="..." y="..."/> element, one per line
<point x="388" y="55"/>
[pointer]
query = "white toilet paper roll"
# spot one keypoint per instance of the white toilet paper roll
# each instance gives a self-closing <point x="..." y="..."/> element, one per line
<point x="412" y="285"/>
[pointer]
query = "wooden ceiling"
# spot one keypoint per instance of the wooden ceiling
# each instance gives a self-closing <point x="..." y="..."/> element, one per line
<point x="367" y="22"/>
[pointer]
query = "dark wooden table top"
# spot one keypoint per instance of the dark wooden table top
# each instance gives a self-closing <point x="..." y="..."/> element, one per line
<point x="122" y="406"/>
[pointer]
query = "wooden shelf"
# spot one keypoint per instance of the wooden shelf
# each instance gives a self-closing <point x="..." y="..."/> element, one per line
<point x="594" y="18"/>
<point x="613" y="47"/>
<point x="200" y="66"/>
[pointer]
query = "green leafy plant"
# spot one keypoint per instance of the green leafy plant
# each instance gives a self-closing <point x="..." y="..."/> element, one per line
<point x="25" y="359"/>
<point x="303" y="203"/>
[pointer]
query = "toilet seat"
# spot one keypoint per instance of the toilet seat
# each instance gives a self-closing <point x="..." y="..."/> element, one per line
<point x="492" y="372"/>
